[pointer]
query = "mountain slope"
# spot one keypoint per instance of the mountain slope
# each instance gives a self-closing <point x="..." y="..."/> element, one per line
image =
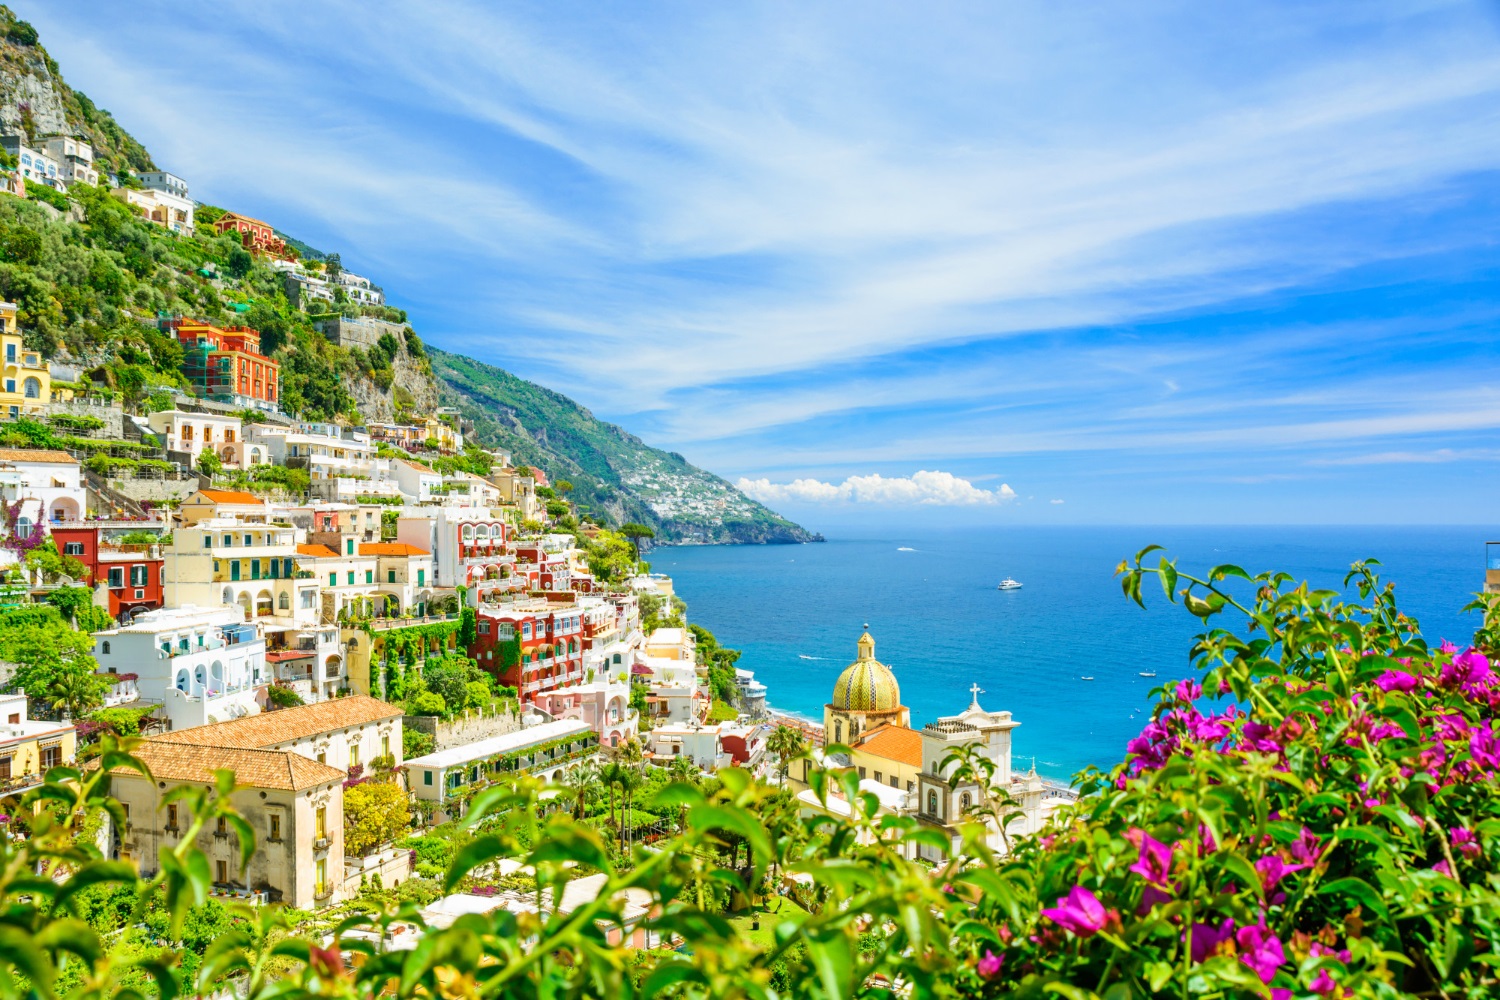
<point x="613" y="472"/>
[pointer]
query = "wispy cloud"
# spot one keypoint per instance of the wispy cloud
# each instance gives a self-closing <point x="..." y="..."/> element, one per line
<point x="933" y="489"/>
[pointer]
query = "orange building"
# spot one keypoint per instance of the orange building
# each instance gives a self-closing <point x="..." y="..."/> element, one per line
<point x="257" y="236"/>
<point x="227" y="366"/>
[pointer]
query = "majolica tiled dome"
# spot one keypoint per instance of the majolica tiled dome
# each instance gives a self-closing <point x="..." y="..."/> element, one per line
<point x="866" y="685"/>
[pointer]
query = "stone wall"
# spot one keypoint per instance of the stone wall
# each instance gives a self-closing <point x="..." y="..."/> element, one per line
<point x="470" y="727"/>
<point x="156" y="490"/>
<point x="113" y="417"/>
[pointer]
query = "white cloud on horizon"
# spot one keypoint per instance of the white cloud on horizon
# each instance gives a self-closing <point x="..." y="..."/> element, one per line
<point x="934" y="489"/>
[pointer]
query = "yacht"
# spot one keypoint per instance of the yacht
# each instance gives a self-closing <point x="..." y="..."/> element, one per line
<point x="1085" y="678"/>
<point x="1009" y="584"/>
<point x="1147" y="673"/>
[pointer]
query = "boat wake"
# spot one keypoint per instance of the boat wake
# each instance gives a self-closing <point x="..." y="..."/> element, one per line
<point x="905" y="548"/>
<point x="804" y="656"/>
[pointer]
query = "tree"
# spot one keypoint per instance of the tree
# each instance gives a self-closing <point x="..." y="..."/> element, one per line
<point x="612" y="774"/>
<point x="209" y="463"/>
<point x="636" y="532"/>
<point x="562" y="486"/>
<point x="334" y="266"/>
<point x="75" y="689"/>
<point x="375" y="812"/>
<point x="22" y="33"/>
<point x="427" y="703"/>
<point x="416" y="743"/>
<point x="581" y="783"/>
<point x="787" y="744"/>
<point x="282" y="696"/>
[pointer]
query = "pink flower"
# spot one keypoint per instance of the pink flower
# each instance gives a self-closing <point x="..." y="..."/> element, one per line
<point x="1307" y="848"/>
<point x="1469" y="671"/>
<point x="1464" y="841"/>
<point x="1260" y="949"/>
<point x="1323" y="983"/>
<point x="1483" y="749"/>
<point x="989" y="965"/>
<point x="1273" y="869"/>
<point x="1080" y="912"/>
<point x="1189" y="690"/>
<point x="1395" y="680"/>
<point x="1259" y="736"/>
<point x="1205" y="939"/>
<point x="1442" y="868"/>
<point x="1150" y="898"/>
<point x="1154" y="863"/>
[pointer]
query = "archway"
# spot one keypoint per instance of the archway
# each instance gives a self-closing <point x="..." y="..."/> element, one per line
<point x="263" y="604"/>
<point x="65" y="509"/>
<point x="244" y="603"/>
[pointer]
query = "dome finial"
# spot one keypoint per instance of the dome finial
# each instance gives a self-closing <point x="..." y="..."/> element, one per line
<point x="866" y="644"/>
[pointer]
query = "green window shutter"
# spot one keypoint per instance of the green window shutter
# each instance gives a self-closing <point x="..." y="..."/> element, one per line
<point x="333" y="579"/>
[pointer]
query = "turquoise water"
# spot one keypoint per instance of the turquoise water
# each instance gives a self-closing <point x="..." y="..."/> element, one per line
<point x="938" y="620"/>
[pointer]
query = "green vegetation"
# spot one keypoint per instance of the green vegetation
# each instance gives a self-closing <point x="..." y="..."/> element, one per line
<point x="720" y="662"/>
<point x="375" y="813"/>
<point x="54" y="665"/>
<point x="613" y="474"/>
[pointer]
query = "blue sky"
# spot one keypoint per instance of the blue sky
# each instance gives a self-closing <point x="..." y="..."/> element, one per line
<point x="1162" y="262"/>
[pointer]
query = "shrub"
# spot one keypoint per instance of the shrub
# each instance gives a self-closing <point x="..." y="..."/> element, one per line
<point x="50" y="196"/>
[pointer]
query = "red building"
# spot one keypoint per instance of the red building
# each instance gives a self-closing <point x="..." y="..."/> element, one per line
<point x="131" y="572"/>
<point x="257" y="237"/>
<point x="541" y="569"/>
<point x="227" y="365"/>
<point x="552" y="643"/>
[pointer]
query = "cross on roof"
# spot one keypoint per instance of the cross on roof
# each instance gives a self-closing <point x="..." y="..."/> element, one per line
<point x="976" y="691"/>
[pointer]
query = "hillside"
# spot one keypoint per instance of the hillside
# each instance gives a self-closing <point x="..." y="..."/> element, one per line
<point x="613" y="472"/>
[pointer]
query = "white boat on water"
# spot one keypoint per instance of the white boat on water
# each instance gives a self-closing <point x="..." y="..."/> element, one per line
<point x="1085" y="678"/>
<point x="1009" y="584"/>
<point x="1147" y="673"/>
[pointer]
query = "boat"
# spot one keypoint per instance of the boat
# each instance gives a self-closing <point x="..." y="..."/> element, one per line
<point x="1085" y="678"/>
<point x="1146" y="673"/>
<point x="1009" y="584"/>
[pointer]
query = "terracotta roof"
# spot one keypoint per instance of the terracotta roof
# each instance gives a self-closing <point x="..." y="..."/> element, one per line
<point x="281" y="769"/>
<point x="282" y="655"/>
<point x="287" y="725"/>
<point x="231" y="496"/>
<point x="391" y="549"/>
<point x="317" y="551"/>
<point x="37" y="455"/>
<point x="893" y="743"/>
<point x="418" y="466"/>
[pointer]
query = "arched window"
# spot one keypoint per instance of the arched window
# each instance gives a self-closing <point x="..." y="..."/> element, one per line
<point x="482" y="531"/>
<point x="23" y="527"/>
<point x="468" y="532"/>
<point x="33" y="388"/>
<point x="932" y="802"/>
<point x="285" y="602"/>
<point x="105" y="649"/>
<point x="838" y="731"/>
<point x="964" y="802"/>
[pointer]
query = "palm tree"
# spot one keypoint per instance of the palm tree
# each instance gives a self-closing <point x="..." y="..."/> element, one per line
<point x="631" y="752"/>
<point x="581" y="783"/>
<point x="74" y="693"/>
<point x="630" y="783"/>
<point x="786" y="743"/>
<point x="684" y="770"/>
<point x="613" y="773"/>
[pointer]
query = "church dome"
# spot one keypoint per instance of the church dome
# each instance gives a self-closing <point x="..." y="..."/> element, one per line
<point x="866" y="685"/>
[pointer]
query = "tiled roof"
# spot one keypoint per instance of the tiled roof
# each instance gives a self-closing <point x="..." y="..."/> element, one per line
<point x="893" y="743"/>
<point x="391" y="549"/>
<point x="231" y="496"/>
<point x="419" y="467"/>
<point x="287" y="725"/>
<point x="37" y="455"/>
<point x="280" y="769"/>
<point x="316" y="551"/>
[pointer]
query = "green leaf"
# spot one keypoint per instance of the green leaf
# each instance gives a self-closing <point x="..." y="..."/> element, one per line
<point x="479" y="851"/>
<point x="1226" y="570"/>
<point x="1360" y="890"/>
<point x="95" y="873"/>
<point x="1168" y="576"/>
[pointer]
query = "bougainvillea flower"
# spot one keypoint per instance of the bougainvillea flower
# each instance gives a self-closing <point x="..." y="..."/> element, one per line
<point x="989" y="965"/>
<point x="1464" y="841"/>
<point x="1205" y="939"/>
<point x="1468" y="671"/>
<point x="1189" y="690"/>
<point x="1307" y="848"/>
<point x="1323" y="984"/>
<point x="1482" y="747"/>
<point x="1261" y="950"/>
<point x="1080" y="912"/>
<point x="1259" y="736"/>
<point x="1154" y="863"/>
<point x="1152" y="897"/>
<point x="1395" y="680"/>
<point x="1273" y="869"/>
<point x="1442" y="868"/>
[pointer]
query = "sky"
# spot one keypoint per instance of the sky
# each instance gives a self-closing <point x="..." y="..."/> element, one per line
<point x="963" y="263"/>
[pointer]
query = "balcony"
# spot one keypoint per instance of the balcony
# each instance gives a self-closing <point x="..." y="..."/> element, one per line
<point x="321" y="844"/>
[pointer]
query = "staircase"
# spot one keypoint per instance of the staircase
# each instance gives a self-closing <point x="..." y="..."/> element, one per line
<point x="106" y="499"/>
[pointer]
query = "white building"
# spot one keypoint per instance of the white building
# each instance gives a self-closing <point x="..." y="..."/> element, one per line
<point x="700" y="744"/>
<point x="326" y="451"/>
<point x="222" y="561"/>
<point x="194" y="433"/>
<point x="161" y="207"/>
<point x="751" y="694"/>
<point x="33" y="164"/>
<point x="74" y="158"/>
<point x="202" y="665"/>
<point x="543" y="751"/>
<point x="468" y="546"/>
<point x="160" y="180"/>
<point x="346" y="733"/>
<point x="47" y="484"/>
<point x="360" y="289"/>
<point x="416" y="481"/>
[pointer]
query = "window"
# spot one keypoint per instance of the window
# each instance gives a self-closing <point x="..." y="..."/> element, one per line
<point x="369" y="576"/>
<point x="221" y="827"/>
<point x="333" y="579"/>
<point x="308" y="599"/>
<point x="932" y="802"/>
<point x="208" y="541"/>
<point x="116" y="577"/>
<point x="171" y="815"/>
<point x="5" y="766"/>
<point x="861" y="774"/>
<point x="878" y="777"/>
<point x="322" y="756"/>
<point x="353" y="756"/>
<point x="285" y="601"/>
<point x="10" y="349"/>
<point x="385" y="746"/>
<point x="390" y="576"/>
<point x="351" y="578"/>
<point x="222" y="870"/>
<point x="105" y="649"/>
<point x="348" y="546"/>
<point x="33" y="388"/>
<point x="320" y="828"/>
<point x="894" y="782"/>
<point x="138" y="576"/>
<point x="275" y="826"/>
<point x="320" y="876"/>
<point x="484" y="628"/>
<point x="426" y="775"/>
<point x="72" y="548"/>
<point x="249" y="539"/>
<point x="964" y="801"/>
<point x="421" y="578"/>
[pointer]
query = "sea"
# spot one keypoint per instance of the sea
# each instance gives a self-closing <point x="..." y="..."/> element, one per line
<point x="931" y="604"/>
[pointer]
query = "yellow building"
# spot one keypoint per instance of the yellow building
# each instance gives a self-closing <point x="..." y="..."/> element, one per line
<point x="29" y="748"/>
<point x="866" y="715"/>
<point x="25" y="381"/>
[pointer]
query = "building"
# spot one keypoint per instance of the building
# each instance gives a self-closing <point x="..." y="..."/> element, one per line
<point x="34" y="165"/>
<point x="223" y="561"/>
<point x="74" y="158"/>
<point x="191" y="434"/>
<point x="359" y="331"/>
<point x="603" y="703"/>
<point x="468" y="545"/>
<point x="699" y="743"/>
<point x="257" y="236"/>
<point x="47" y="485"/>
<point x="126" y="575"/>
<point x="162" y="207"/>
<point x="226" y="366"/>
<point x="360" y="290"/>
<point x="403" y="575"/>
<point x="294" y="805"/>
<point x="449" y="777"/>
<point x="29" y="748"/>
<point x="25" y="379"/>
<point x="352" y="734"/>
<point x="865" y="695"/>
<point x="417" y="481"/>
<point x="750" y="693"/>
<point x="200" y="664"/>
<point x="236" y="505"/>
<point x="549" y="640"/>
<point x="160" y="180"/>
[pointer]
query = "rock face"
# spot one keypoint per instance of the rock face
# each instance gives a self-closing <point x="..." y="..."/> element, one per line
<point x="30" y="101"/>
<point x="412" y="389"/>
